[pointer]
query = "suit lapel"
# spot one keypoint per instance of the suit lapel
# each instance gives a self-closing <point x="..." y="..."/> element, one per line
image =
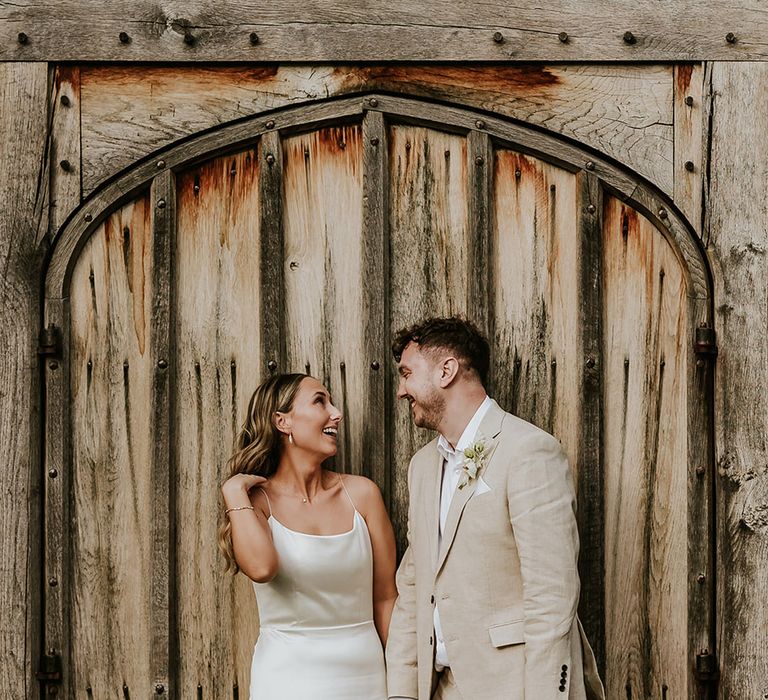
<point x="489" y="427"/>
<point x="433" y="505"/>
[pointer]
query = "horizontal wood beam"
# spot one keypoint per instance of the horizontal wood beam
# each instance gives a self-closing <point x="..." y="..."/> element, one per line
<point x="397" y="30"/>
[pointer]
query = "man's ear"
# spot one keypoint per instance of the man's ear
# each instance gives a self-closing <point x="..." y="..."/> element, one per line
<point x="282" y="422"/>
<point x="449" y="370"/>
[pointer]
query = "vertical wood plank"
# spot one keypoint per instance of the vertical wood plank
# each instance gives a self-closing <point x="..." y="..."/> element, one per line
<point x="23" y="130"/>
<point x="65" y="158"/>
<point x="430" y="247"/>
<point x="272" y="298"/>
<point x="376" y="443"/>
<point x="325" y="320"/>
<point x="479" y="209"/>
<point x="163" y="478"/>
<point x="537" y="370"/>
<point x="115" y="495"/>
<point x="645" y="352"/>
<point x="689" y="130"/>
<point x="217" y="290"/>
<point x="738" y="234"/>
<point x="591" y="500"/>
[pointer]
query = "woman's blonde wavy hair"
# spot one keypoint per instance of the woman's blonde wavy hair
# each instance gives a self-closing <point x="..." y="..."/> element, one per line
<point x="258" y="444"/>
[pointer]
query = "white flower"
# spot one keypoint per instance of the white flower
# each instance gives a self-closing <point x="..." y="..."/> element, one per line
<point x="475" y="457"/>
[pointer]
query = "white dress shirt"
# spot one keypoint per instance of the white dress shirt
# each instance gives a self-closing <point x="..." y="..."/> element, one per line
<point x="453" y="460"/>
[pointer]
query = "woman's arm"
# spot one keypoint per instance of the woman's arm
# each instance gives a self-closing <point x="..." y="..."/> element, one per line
<point x="254" y="550"/>
<point x="371" y="506"/>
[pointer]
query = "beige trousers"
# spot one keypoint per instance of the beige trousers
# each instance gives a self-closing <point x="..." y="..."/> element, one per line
<point x="446" y="687"/>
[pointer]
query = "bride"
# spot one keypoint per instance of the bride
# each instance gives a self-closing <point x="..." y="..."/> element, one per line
<point x="318" y="546"/>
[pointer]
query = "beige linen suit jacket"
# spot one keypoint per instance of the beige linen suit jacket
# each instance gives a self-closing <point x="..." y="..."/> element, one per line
<point x="505" y="578"/>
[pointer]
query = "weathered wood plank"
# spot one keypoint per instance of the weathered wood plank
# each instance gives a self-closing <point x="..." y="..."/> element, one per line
<point x="645" y="349"/>
<point x="590" y="492"/>
<point x="65" y="167"/>
<point x="217" y="329"/>
<point x="689" y="131"/>
<point x="738" y="229"/>
<point x="23" y="131"/>
<point x="376" y="447"/>
<point x="272" y="243"/>
<point x="324" y="313"/>
<point x="63" y="30"/>
<point x="115" y="494"/>
<point x="430" y="263"/>
<point x="163" y="475"/>
<point x="623" y="111"/>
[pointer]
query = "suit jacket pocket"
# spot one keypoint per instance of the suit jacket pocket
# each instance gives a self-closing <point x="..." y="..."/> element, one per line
<point x="507" y="633"/>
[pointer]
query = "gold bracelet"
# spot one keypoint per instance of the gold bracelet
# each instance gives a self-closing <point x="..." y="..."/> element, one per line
<point x="228" y="510"/>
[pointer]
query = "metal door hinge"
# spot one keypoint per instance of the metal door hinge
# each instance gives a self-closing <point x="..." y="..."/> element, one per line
<point x="706" y="670"/>
<point x="50" y="342"/>
<point x="50" y="668"/>
<point x="705" y="342"/>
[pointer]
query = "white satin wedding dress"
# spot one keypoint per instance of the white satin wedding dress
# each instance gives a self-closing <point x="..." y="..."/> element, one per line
<point x="317" y="638"/>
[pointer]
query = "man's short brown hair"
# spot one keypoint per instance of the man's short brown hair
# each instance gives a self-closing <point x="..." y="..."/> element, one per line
<point x="455" y="334"/>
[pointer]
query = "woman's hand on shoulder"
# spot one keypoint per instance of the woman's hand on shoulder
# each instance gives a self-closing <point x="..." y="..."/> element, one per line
<point x="241" y="483"/>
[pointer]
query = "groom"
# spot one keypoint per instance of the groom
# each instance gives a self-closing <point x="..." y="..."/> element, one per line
<point x="488" y="587"/>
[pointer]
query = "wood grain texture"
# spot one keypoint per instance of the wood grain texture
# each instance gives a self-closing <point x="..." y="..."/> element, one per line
<point x="690" y="158"/>
<point x="64" y="155"/>
<point x="738" y="243"/>
<point x="218" y="336"/>
<point x="391" y="31"/>
<point x="623" y="111"/>
<point x="535" y="277"/>
<point x="645" y="348"/>
<point x="430" y="263"/>
<point x="111" y="379"/>
<point x="23" y="199"/>
<point x="326" y="321"/>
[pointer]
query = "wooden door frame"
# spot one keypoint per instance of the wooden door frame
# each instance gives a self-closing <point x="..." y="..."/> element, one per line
<point x="597" y="175"/>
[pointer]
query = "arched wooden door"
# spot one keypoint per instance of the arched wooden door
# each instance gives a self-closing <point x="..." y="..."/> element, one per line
<point x="300" y="241"/>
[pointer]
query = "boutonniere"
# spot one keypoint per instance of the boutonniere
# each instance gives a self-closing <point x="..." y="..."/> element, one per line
<point x="475" y="457"/>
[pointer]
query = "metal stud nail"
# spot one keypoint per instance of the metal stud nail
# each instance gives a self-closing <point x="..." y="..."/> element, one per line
<point x="373" y="102"/>
<point x="254" y="38"/>
<point x="66" y="166"/>
<point x="270" y="159"/>
<point x="590" y="165"/>
<point x="161" y="204"/>
<point x="591" y="208"/>
<point x="162" y="364"/>
<point x="663" y="213"/>
<point x="64" y="101"/>
<point x="689" y="166"/>
<point x="689" y="101"/>
<point x="88" y="217"/>
<point x="407" y="146"/>
<point x="124" y="38"/>
<point x="160" y="164"/>
<point x="375" y="141"/>
<point x="480" y="124"/>
<point x="270" y="124"/>
<point x="375" y="366"/>
<point x="629" y="38"/>
<point x="53" y="365"/>
<point x="700" y="470"/>
<point x="518" y="174"/>
<point x="53" y="473"/>
<point x="563" y="36"/>
<point x="479" y="160"/>
<point x="701" y="579"/>
<point x="53" y="582"/>
<point x="498" y="37"/>
<point x="159" y="688"/>
<point x="272" y="365"/>
<point x="591" y="362"/>
<point x="730" y="37"/>
<point x="23" y="38"/>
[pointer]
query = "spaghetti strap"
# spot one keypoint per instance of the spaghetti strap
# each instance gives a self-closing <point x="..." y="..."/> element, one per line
<point x="269" y="505"/>
<point x="344" y="486"/>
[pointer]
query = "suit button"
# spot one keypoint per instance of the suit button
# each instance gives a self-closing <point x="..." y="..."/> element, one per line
<point x="432" y="599"/>
<point x="562" y="688"/>
<point x="430" y="640"/>
<point x="565" y="667"/>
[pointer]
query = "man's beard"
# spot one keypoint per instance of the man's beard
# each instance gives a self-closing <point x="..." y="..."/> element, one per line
<point x="432" y="408"/>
